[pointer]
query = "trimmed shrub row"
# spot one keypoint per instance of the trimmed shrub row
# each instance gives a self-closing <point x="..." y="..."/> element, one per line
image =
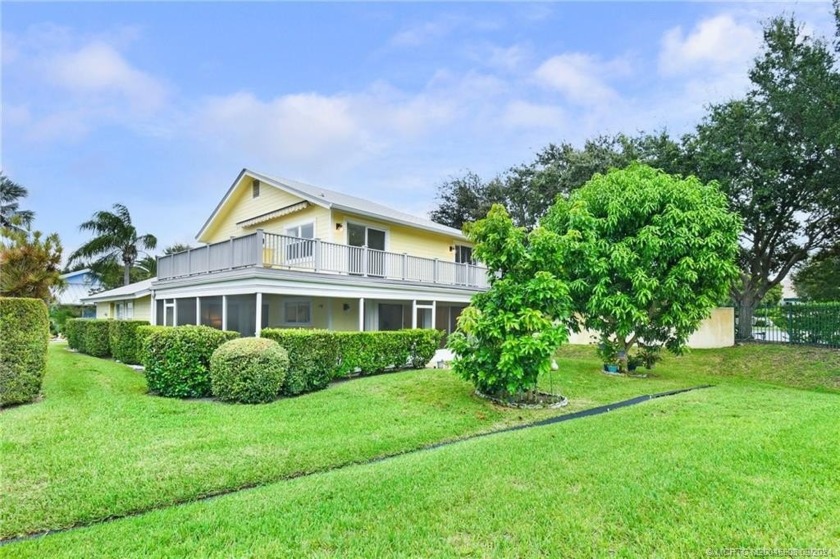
<point x="24" y="339"/>
<point x="177" y="359"/>
<point x="318" y="356"/>
<point x="248" y="370"/>
<point x="313" y="358"/>
<point x="125" y="341"/>
<point x="105" y="338"/>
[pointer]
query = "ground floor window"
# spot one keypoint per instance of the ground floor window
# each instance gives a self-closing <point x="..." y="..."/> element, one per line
<point x="124" y="310"/>
<point x="297" y="313"/>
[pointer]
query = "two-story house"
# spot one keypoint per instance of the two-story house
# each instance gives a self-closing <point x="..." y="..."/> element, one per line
<point x="279" y="253"/>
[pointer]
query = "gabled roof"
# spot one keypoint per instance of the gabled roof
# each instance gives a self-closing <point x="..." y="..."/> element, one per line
<point x="131" y="291"/>
<point x="331" y="199"/>
<point x="71" y="294"/>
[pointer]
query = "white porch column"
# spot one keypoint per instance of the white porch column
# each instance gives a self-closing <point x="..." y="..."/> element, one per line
<point x="258" y="326"/>
<point x="153" y="310"/>
<point x="224" y="312"/>
<point x="434" y="311"/>
<point x="175" y="312"/>
<point x="362" y="314"/>
<point x="414" y="314"/>
<point x="198" y="311"/>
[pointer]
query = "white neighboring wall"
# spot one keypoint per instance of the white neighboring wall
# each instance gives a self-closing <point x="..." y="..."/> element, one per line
<point x="716" y="331"/>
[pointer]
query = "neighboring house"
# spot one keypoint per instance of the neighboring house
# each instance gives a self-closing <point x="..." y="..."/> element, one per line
<point x="279" y="253"/>
<point x="77" y="286"/>
<point x="129" y="302"/>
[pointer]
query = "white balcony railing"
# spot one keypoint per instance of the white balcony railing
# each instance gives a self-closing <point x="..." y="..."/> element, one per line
<point x="280" y="251"/>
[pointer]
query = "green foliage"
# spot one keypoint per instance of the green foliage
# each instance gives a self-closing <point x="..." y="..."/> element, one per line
<point x="647" y="255"/>
<point x="177" y="360"/>
<point x="313" y="357"/>
<point x="24" y="340"/>
<point x="810" y="323"/>
<point x="12" y="218"/>
<point x="97" y="340"/>
<point x="649" y="355"/>
<point x="528" y="190"/>
<point x="776" y="154"/>
<point x="60" y="314"/>
<point x="508" y="335"/>
<point x="116" y="243"/>
<point x="124" y="340"/>
<point x="376" y="352"/>
<point x="318" y="356"/>
<point x="819" y="279"/>
<point x="75" y="333"/>
<point x="248" y="370"/>
<point x="143" y="333"/>
<point x="31" y="264"/>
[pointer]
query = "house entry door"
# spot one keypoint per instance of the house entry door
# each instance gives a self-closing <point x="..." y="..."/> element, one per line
<point x="372" y="263"/>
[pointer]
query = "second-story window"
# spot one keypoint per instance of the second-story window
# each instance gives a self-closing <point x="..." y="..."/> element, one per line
<point x="296" y="250"/>
<point x="463" y="255"/>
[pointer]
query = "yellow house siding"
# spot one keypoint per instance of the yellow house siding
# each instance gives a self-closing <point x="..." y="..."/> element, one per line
<point x="242" y="206"/>
<point x="143" y="308"/>
<point x="103" y="310"/>
<point x="402" y="239"/>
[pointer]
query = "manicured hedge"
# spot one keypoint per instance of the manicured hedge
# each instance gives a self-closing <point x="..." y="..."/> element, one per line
<point x="143" y="333"/>
<point x="177" y="359"/>
<point x="248" y="370"/>
<point x="75" y="333"/>
<point x="97" y="338"/>
<point x="24" y="338"/>
<point x="125" y="341"/>
<point x="375" y="352"/>
<point x="313" y="358"/>
<point x="318" y="356"/>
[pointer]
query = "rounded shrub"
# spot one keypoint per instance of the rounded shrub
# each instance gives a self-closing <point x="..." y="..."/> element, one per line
<point x="24" y="339"/>
<point x="177" y="359"/>
<point x="248" y="370"/>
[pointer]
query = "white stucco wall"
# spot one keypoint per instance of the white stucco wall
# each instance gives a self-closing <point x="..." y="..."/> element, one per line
<point x="716" y="331"/>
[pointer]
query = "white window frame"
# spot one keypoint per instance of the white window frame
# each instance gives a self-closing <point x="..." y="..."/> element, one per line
<point x="292" y="246"/>
<point x="287" y="303"/>
<point x="124" y="310"/>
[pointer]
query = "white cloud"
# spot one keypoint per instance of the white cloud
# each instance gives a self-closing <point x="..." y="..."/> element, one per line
<point x="422" y="33"/>
<point x="582" y="78"/>
<point x="99" y="68"/>
<point x="718" y="44"/>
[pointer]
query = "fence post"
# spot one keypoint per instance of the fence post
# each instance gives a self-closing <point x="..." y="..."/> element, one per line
<point x="260" y="242"/>
<point x="365" y="260"/>
<point x="437" y="273"/>
<point x="404" y="256"/>
<point x="230" y="247"/>
<point x="316" y="253"/>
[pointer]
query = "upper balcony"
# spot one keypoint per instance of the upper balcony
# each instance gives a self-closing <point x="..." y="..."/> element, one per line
<point x="270" y="250"/>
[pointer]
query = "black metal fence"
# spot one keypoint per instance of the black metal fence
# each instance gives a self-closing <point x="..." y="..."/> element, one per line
<point x="795" y="323"/>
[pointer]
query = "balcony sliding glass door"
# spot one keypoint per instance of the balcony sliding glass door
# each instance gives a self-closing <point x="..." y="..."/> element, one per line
<point x="372" y="261"/>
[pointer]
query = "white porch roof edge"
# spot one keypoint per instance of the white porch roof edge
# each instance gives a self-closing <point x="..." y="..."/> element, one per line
<point x="131" y="291"/>
<point x="250" y="280"/>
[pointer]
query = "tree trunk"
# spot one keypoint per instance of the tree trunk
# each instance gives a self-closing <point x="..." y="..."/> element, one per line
<point x="745" y="316"/>
<point x="126" y="274"/>
<point x="623" y="355"/>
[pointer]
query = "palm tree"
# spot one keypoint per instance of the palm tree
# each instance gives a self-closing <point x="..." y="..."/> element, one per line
<point x="116" y="241"/>
<point x="11" y="216"/>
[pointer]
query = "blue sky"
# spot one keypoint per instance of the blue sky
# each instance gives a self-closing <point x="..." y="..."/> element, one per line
<point x="159" y="105"/>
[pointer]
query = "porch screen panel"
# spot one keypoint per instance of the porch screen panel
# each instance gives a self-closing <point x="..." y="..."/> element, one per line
<point x="211" y="312"/>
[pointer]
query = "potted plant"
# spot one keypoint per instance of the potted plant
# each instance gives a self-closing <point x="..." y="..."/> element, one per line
<point x="633" y="363"/>
<point x="608" y="352"/>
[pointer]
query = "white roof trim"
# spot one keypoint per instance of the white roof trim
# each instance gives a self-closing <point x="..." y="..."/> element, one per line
<point x="131" y="291"/>
<point x="336" y="200"/>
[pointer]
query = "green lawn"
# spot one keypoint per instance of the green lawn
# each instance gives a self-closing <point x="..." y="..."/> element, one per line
<point x="744" y="464"/>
